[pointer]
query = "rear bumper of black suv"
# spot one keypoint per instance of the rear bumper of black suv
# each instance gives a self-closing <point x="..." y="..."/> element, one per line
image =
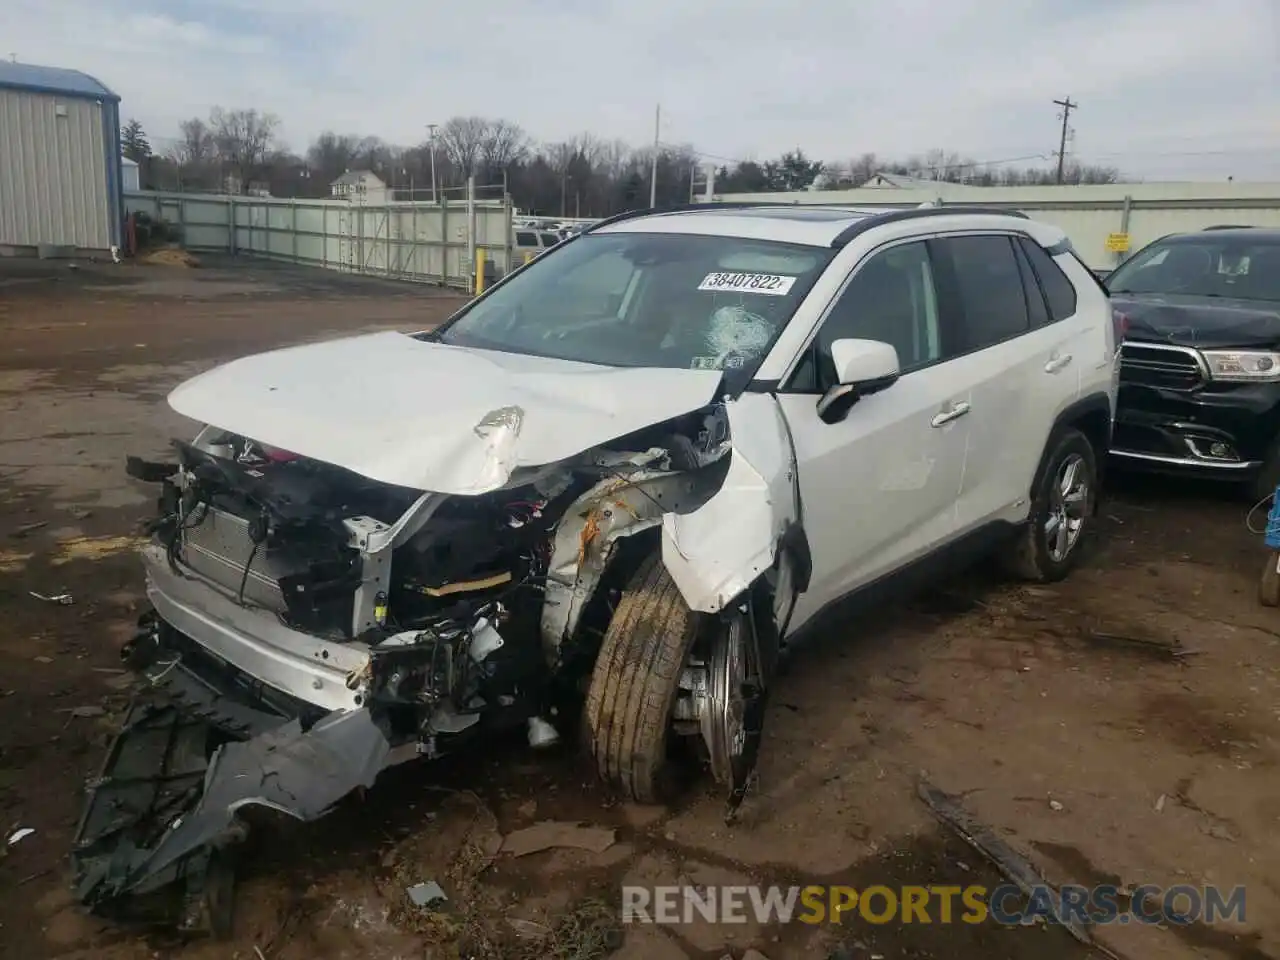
<point x="1171" y="418"/>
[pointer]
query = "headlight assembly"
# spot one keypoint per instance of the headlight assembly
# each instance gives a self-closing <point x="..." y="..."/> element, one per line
<point x="1243" y="366"/>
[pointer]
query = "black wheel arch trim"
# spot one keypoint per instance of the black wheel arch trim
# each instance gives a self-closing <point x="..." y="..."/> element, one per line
<point x="1094" y="403"/>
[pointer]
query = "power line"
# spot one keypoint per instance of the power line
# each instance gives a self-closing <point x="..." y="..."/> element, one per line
<point x="1067" y="106"/>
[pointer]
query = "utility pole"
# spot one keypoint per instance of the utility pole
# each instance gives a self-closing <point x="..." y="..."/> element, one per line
<point x="431" y="137"/>
<point x="1067" y="106"/>
<point x="653" y="175"/>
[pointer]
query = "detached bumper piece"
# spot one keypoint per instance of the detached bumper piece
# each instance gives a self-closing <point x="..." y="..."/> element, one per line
<point x="154" y="772"/>
<point x="154" y="842"/>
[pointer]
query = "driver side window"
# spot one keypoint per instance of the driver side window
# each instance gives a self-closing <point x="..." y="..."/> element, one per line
<point x="891" y="298"/>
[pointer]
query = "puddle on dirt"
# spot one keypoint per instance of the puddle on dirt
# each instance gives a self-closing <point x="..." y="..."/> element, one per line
<point x="94" y="548"/>
<point x="11" y="561"/>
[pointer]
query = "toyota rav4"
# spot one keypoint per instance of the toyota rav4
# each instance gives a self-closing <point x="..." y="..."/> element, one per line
<point x="606" y="494"/>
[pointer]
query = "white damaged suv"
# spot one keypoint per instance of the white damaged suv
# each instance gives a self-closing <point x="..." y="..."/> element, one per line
<point x="604" y="494"/>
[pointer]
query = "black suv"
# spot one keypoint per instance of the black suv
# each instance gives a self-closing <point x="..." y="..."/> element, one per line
<point x="1200" y="364"/>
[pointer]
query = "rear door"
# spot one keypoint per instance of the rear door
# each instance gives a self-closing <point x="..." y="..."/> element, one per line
<point x="1022" y="347"/>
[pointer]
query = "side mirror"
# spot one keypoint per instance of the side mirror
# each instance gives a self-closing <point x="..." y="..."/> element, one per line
<point x="862" y="367"/>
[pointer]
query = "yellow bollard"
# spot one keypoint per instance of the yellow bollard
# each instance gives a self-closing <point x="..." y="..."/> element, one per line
<point x="479" y="271"/>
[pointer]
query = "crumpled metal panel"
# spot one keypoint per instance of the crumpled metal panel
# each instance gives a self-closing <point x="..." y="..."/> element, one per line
<point x="443" y="418"/>
<point x="716" y="552"/>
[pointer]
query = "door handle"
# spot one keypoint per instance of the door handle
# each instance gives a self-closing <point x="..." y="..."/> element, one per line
<point x="1057" y="363"/>
<point x="957" y="411"/>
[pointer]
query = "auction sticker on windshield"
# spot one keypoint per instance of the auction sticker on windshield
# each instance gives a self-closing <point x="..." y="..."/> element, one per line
<point x="770" y="284"/>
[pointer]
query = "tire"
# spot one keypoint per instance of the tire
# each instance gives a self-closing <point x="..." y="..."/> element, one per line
<point x="1031" y="555"/>
<point x="634" y="683"/>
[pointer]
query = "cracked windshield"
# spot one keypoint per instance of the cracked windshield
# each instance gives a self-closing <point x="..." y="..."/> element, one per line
<point x="650" y="481"/>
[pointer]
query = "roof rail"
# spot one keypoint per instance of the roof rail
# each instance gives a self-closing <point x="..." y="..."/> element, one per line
<point x="916" y="213"/>
<point x="690" y="207"/>
<point x="868" y="220"/>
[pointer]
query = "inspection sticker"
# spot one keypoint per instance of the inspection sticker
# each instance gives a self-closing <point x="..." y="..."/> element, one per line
<point x="770" y="284"/>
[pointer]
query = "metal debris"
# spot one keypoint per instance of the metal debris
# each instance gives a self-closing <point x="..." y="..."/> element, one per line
<point x="1015" y="866"/>
<point x="19" y="834"/>
<point x="63" y="598"/>
<point x="425" y="894"/>
<point x="28" y="528"/>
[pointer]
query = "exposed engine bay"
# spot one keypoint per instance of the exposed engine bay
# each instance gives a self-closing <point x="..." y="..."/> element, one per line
<point x="311" y="627"/>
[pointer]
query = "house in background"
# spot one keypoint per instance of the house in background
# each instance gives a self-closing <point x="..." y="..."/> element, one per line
<point x="236" y="186"/>
<point x="897" y="181"/>
<point x="129" y="175"/>
<point x="361" y="186"/>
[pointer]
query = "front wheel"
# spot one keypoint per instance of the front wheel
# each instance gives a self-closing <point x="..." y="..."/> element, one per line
<point x="1062" y="511"/>
<point x="634" y="684"/>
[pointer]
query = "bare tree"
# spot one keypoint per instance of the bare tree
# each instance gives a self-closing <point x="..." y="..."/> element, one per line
<point x="244" y="139"/>
<point x="332" y="154"/>
<point x="463" y="140"/>
<point x="195" y="147"/>
<point x="504" y="143"/>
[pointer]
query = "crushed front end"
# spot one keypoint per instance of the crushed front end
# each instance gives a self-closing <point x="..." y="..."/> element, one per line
<point x="309" y="627"/>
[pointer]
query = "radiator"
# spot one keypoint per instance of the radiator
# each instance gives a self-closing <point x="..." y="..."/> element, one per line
<point x="217" y="548"/>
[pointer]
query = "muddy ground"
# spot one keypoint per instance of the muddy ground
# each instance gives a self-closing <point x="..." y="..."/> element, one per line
<point x="1106" y="762"/>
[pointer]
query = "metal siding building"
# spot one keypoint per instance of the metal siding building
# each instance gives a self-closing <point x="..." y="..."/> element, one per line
<point x="60" y="170"/>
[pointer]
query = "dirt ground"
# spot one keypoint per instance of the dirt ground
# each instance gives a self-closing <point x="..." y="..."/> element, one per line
<point x="1106" y="762"/>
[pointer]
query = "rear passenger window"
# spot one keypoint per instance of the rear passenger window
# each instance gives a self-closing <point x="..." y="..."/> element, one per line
<point x="526" y="239"/>
<point x="1058" y="290"/>
<point x="988" y="286"/>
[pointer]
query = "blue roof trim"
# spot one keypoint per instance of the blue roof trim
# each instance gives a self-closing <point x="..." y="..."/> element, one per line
<point x="55" y="80"/>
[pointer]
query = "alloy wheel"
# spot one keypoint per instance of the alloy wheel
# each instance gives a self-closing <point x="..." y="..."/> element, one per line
<point x="1069" y="500"/>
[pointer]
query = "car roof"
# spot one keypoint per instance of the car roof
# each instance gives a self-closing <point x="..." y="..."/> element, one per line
<point x="1265" y="235"/>
<point x="808" y="224"/>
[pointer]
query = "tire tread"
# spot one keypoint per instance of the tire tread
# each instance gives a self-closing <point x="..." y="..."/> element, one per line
<point x="634" y="682"/>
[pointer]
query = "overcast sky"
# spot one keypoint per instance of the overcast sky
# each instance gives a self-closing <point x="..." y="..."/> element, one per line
<point x="1168" y="89"/>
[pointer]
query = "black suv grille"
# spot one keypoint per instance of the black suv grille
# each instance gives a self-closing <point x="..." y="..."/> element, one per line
<point x="1174" y="368"/>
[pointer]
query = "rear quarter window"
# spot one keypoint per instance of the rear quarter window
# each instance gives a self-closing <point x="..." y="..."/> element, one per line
<point x="1059" y="292"/>
<point x="525" y="239"/>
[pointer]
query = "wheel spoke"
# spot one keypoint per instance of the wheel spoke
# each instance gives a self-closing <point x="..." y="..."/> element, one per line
<point x="1051" y="526"/>
<point x="1075" y="503"/>
<point x="1070" y="473"/>
<point x="1062" y="541"/>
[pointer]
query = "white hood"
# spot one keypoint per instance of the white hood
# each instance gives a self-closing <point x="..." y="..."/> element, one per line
<point x="431" y="416"/>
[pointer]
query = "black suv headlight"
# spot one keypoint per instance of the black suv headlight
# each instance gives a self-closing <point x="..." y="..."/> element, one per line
<point x="1243" y="366"/>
